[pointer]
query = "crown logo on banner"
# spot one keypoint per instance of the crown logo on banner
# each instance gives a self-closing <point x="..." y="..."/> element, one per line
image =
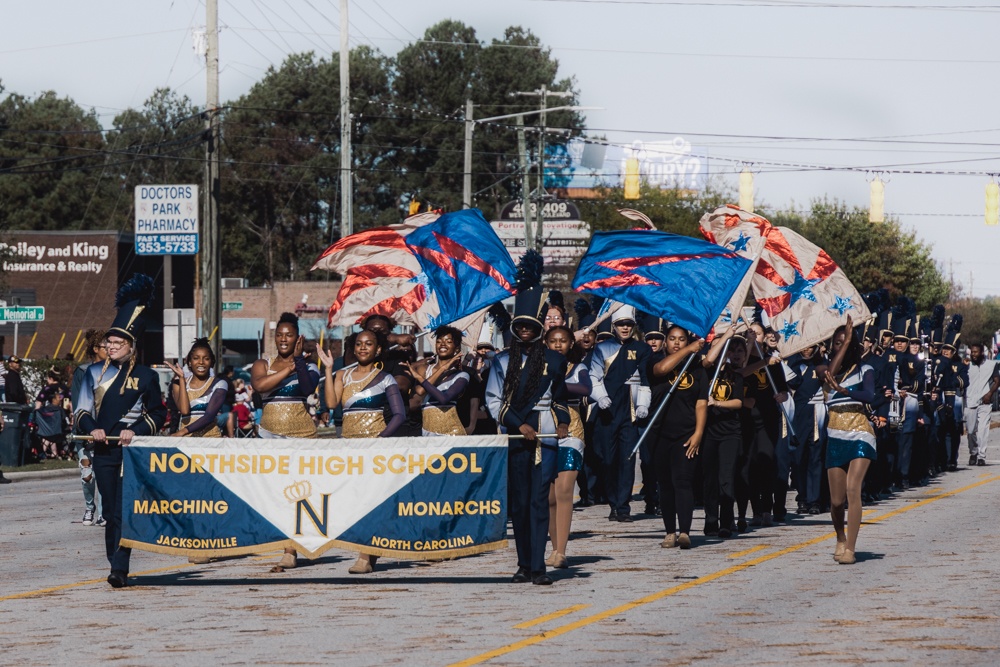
<point x="298" y="491"/>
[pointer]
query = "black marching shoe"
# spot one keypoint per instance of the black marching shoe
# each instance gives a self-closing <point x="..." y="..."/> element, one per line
<point x="541" y="579"/>
<point x="981" y="462"/>
<point x="522" y="576"/>
<point x="613" y="516"/>
<point x="972" y="460"/>
<point x="118" y="579"/>
<point x="625" y="518"/>
<point x="4" y="480"/>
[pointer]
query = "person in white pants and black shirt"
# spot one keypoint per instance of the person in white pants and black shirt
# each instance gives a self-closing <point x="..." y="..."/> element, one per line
<point x="983" y="382"/>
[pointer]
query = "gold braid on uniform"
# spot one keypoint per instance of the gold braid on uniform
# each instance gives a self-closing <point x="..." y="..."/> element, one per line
<point x="131" y="365"/>
<point x="104" y="369"/>
<point x="535" y="364"/>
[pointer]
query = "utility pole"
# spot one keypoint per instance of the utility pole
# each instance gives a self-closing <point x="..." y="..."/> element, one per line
<point x="467" y="172"/>
<point x="544" y="93"/>
<point x="540" y="202"/>
<point x="522" y="154"/>
<point x="470" y="124"/>
<point x="346" y="187"/>
<point x="211" y="256"/>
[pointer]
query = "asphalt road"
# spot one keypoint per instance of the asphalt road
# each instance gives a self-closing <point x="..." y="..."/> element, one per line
<point x="925" y="590"/>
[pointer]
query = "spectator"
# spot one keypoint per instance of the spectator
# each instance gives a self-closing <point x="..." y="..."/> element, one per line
<point x="52" y="423"/>
<point x="95" y="353"/>
<point x="14" y="386"/>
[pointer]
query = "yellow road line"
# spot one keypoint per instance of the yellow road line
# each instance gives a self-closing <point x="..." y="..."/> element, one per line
<point x="551" y="617"/>
<point x="746" y="552"/>
<point x="55" y="589"/>
<point x="628" y="606"/>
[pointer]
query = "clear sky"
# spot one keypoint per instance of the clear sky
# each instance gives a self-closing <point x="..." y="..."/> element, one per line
<point x="788" y="85"/>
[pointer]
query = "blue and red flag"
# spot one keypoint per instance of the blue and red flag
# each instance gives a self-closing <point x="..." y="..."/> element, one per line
<point x="684" y="280"/>
<point x="464" y="262"/>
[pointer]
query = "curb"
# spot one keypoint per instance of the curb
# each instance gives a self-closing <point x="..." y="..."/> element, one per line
<point x="41" y="474"/>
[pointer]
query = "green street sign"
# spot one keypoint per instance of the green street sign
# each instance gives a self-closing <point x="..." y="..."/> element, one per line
<point x="232" y="305"/>
<point x="22" y="314"/>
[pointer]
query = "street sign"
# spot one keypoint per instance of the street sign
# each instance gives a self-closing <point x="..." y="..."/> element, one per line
<point x="179" y="329"/>
<point x="232" y="305"/>
<point x="22" y="314"/>
<point x="166" y="219"/>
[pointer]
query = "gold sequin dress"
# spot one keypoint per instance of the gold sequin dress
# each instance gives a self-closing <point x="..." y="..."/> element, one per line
<point x="439" y="413"/>
<point x="285" y="414"/>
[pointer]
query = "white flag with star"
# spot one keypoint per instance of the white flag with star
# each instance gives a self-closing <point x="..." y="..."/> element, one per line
<point x="803" y="291"/>
<point x="805" y="295"/>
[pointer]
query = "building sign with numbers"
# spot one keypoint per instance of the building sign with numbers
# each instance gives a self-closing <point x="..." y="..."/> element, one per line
<point x="166" y="219"/>
<point x="564" y="237"/>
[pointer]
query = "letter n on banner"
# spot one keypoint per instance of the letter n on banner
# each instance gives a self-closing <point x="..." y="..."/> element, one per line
<point x="304" y="505"/>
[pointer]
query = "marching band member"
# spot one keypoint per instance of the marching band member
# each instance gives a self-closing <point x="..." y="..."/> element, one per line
<point x="120" y="398"/>
<point x="526" y="394"/>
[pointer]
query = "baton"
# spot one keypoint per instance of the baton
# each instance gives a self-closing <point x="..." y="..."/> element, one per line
<point x="662" y="405"/>
<point x="784" y="410"/>
<point x="90" y="438"/>
<point x="537" y="436"/>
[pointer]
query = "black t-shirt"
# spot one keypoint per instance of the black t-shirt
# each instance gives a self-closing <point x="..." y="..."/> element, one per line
<point x="678" y="417"/>
<point x="766" y="413"/>
<point x="722" y="422"/>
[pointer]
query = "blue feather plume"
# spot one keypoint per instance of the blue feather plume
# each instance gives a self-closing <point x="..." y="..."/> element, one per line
<point x="139" y="287"/>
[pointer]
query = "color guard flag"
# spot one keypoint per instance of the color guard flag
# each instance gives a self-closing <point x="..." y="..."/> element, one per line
<point x="428" y="271"/>
<point x="380" y="275"/>
<point x="804" y="293"/>
<point x="683" y="280"/>
<point x="465" y="263"/>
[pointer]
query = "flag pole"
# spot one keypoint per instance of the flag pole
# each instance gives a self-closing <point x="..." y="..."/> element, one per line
<point x="662" y="405"/>
<point x="719" y="365"/>
<point x="784" y="410"/>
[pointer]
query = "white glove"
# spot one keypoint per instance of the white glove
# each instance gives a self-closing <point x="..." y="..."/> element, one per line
<point x="604" y="403"/>
<point x="642" y="412"/>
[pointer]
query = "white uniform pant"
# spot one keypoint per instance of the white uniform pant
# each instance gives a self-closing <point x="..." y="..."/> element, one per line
<point x="977" y="425"/>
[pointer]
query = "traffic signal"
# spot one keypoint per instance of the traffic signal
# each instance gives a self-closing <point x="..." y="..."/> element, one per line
<point x="876" y="212"/>
<point x="632" y="178"/>
<point x="746" y="190"/>
<point x="992" y="204"/>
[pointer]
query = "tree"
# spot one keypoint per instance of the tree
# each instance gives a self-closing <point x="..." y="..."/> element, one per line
<point x="52" y="165"/>
<point x="163" y="142"/>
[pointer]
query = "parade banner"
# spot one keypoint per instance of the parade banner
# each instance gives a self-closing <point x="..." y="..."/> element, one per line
<point x="410" y="498"/>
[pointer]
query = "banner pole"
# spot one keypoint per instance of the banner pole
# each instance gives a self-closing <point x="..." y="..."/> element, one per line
<point x="718" y="366"/>
<point x="662" y="405"/>
<point x="774" y="387"/>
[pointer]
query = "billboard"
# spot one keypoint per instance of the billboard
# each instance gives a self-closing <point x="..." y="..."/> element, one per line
<point x="670" y="164"/>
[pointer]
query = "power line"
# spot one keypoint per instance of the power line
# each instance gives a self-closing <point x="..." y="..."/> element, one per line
<point x="794" y="4"/>
<point x="92" y="41"/>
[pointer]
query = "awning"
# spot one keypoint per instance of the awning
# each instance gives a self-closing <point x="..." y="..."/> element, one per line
<point x="242" y="328"/>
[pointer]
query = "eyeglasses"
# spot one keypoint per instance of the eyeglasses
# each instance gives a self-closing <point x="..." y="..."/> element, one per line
<point x="115" y="343"/>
